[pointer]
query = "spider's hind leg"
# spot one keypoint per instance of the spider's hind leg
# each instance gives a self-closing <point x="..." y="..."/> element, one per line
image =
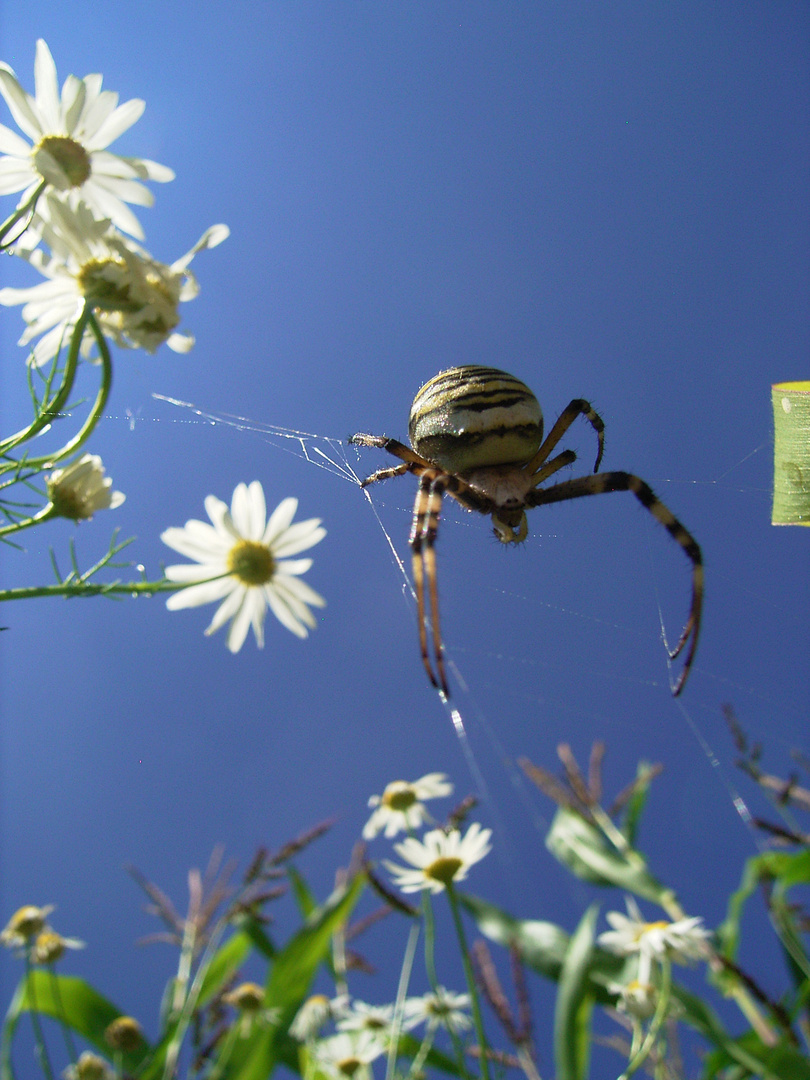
<point x="424" y="528"/>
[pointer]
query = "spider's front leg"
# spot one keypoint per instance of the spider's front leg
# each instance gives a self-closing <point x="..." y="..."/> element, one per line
<point x="393" y="446"/>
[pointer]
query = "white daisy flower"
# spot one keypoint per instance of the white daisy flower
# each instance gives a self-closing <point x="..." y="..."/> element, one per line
<point x="81" y="488"/>
<point x="24" y="925"/>
<point x="400" y="809"/>
<point x="243" y="562"/>
<point x="439" y="858"/>
<point x="134" y="296"/>
<point x="70" y="135"/>
<point x="681" y="941"/>
<point x="314" y="1014"/>
<point x="362" y="1017"/>
<point x="348" y="1054"/>
<point x="440" y="1009"/>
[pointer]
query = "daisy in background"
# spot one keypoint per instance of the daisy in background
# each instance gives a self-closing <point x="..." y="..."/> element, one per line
<point x="439" y="859"/>
<point x="81" y="488"/>
<point x="681" y="941"/>
<point x="243" y="562"/>
<point x="443" y="1008"/>
<point x="70" y="135"/>
<point x="315" y="1013"/>
<point x="135" y="297"/>
<point x="400" y="809"/>
<point x="348" y="1054"/>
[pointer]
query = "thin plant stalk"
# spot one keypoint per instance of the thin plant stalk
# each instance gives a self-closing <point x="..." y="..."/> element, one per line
<point x="39" y="1038"/>
<point x="471" y="985"/>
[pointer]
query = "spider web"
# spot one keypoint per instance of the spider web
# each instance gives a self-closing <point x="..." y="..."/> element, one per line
<point x="332" y="454"/>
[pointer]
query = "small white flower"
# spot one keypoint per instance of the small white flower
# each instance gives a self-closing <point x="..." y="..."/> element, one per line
<point x="635" y="998"/>
<point x="48" y="946"/>
<point x="24" y="925"/>
<point x="348" y="1054"/>
<point x="243" y="562"/>
<point x="70" y="136"/>
<point x="316" y="1011"/>
<point x="400" y="809"/>
<point x="442" y="1009"/>
<point x="362" y="1017"/>
<point x="89" y="1067"/>
<point x="681" y="941"/>
<point x="81" y="488"/>
<point x="440" y="858"/>
<point x="135" y="298"/>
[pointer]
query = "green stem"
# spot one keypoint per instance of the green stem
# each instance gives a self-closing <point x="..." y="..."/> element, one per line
<point x="471" y="985"/>
<point x="399" y="1007"/>
<point x="43" y="515"/>
<point x="48" y="411"/>
<point x="430" y="941"/>
<point x="82" y="588"/>
<point x="39" y="1038"/>
<point x="66" y="1032"/>
<point x="21" y="212"/>
<point x="423" y="1051"/>
<point x="225" y="1053"/>
<point x="661" y="1008"/>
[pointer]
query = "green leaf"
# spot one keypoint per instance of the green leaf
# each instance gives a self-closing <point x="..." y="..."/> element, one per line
<point x="583" y="849"/>
<point x="225" y="962"/>
<point x="572" y="1014"/>
<point x="74" y="1002"/>
<point x="783" y="870"/>
<point x="782" y="1062"/>
<point x="631" y="819"/>
<point x="306" y="901"/>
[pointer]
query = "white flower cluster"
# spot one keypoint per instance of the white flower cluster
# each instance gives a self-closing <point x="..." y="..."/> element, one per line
<point x="365" y="1032"/>
<point x="79" y="227"/>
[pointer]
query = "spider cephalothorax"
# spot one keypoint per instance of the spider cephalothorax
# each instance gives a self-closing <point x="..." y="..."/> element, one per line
<point x="477" y="434"/>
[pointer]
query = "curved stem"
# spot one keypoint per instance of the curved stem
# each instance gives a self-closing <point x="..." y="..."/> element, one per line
<point x="18" y="215"/>
<point x="44" y="514"/>
<point x="49" y="411"/>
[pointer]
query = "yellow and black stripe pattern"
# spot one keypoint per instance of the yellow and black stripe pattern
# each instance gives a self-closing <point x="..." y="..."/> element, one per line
<point x="471" y="417"/>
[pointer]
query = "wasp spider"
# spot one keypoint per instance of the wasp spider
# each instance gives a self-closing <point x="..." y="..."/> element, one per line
<point x="477" y="434"/>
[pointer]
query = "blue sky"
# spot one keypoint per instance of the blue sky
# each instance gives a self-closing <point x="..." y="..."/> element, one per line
<point x="610" y="202"/>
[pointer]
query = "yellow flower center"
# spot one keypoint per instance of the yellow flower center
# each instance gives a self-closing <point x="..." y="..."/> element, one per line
<point x="106" y="283"/>
<point x="444" y="869"/>
<point x="399" y="796"/>
<point x="374" y="1023"/>
<point x="48" y="947"/>
<point x="248" y="997"/>
<point x="252" y="563"/>
<point x="26" y="922"/>
<point x="349" y="1066"/>
<point x="124" y="1034"/>
<point x="71" y="161"/>
<point x="662" y="924"/>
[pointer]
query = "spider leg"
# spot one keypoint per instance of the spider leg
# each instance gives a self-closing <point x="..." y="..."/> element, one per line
<point x="550" y="467"/>
<point x="385" y="474"/>
<point x="393" y="446"/>
<point x="578" y="407"/>
<point x="603" y="483"/>
<point x="424" y="528"/>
